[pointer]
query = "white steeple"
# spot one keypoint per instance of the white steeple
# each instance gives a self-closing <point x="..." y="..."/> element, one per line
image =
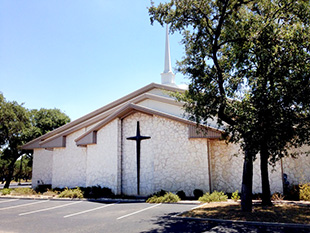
<point x="167" y="77"/>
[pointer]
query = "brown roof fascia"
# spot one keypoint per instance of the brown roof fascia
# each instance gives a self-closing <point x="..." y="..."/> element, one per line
<point x="133" y="107"/>
<point x="80" y="126"/>
<point x="108" y="112"/>
<point x="34" y="143"/>
<point x="89" y="139"/>
<point x="56" y="143"/>
<point x="123" y="111"/>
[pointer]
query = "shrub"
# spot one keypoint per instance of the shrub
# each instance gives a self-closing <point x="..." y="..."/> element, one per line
<point x="6" y="191"/>
<point x="291" y="192"/>
<point x="198" y="193"/>
<point x="71" y="193"/>
<point x="277" y="197"/>
<point x="213" y="197"/>
<point x="97" y="191"/>
<point x="257" y="196"/>
<point x="23" y="191"/>
<point x="42" y="188"/>
<point x="51" y="193"/>
<point x="304" y="192"/>
<point x="167" y="198"/>
<point x="235" y="196"/>
<point x="160" y="193"/>
<point x="181" y="195"/>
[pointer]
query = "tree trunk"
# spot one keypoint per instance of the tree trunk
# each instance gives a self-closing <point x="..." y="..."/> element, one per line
<point x="10" y="175"/>
<point x="247" y="182"/>
<point x="266" y="195"/>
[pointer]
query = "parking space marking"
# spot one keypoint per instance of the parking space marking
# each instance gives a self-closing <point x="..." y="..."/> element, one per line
<point x="16" y="206"/>
<point x="51" y="208"/>
<point x="8" y="200"/>
<point x="139" y="211"/>
<point x="200" y="206"/>
<point x="86" y="211"/>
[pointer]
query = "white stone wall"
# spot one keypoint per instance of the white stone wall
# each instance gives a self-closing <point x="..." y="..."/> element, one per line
<point x="42" y="167"/>
<point x="102" y="158"/>
<point x="129" y="162"/>
<point x="298" y="170"/>
<point x="227" y="168"/>
<point x="169" y="160"/>
<point x="69" y="164"/>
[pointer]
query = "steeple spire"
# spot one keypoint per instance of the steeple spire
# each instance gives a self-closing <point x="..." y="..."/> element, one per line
<point x="167" y="77"/>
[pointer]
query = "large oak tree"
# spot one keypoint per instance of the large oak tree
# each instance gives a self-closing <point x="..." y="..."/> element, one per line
<point x="248" y="63"/>
<point x="19" y="125"/>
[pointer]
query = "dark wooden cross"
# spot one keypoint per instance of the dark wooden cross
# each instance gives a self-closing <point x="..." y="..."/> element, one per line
<point x="138" y="138"/>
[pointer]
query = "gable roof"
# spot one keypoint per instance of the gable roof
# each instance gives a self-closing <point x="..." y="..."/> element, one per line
<point x="90" y="136"/>
<point x="96" y="116"/>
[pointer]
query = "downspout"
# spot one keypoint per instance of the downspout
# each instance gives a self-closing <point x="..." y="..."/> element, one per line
<point x="121" y="158"/>
<point x="209" y="165"/>
<point x="282" y="176"/>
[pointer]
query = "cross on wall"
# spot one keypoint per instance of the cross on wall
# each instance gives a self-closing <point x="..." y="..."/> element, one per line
<point x="138" y="138"/>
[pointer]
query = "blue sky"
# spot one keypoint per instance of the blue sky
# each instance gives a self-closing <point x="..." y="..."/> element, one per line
<point x="79" y="55"/>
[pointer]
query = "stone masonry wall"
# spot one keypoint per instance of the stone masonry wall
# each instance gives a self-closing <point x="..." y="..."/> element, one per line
<point x="102" y="158"/>
<point x="169" y="160"/>
<point x="69" y="164"/>
<point x="298" y="170"/>
<point x="227" y="168"/>
<point x="42" y="167"/>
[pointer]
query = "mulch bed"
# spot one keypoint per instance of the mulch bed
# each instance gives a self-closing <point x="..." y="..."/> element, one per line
<point x="280" y="212"/>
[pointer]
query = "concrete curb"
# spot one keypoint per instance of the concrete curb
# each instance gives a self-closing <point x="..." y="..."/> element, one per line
<point x="252" y="223"/>
<point x="92" y="199"/>
<point x="74" y="199"/>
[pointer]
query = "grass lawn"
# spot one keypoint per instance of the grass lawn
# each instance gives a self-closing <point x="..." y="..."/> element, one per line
<point x="280" y="212"/>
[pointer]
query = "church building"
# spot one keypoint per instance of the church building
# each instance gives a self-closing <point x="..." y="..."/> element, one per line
<point x="142" y="143"/>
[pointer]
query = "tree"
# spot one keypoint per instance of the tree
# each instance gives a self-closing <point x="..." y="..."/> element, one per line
<point x="20" y="125"/>
<point x="276" y="66"/>
<point x="45" y="120"/>
<point x="14" y="128"/>
<point x="242" y="59"/>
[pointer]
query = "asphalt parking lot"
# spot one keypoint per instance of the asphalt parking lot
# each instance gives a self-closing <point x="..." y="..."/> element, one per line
<point x="22" y="215"/>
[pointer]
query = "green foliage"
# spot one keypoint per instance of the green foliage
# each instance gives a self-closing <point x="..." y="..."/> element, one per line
<point x="304" y="192"/>
<point x="17" y="126"/>
<point x="45" y="120"/>
<point x="6" y="191"/>
<point x="235" y="196"/>
<point x="97" y="192"/>
<point x="198" y="193"/>
<point x="167" y="198"/>
<point x="181" y="195"/>
<point x="14" y="128"/>
<point x="213" y="197"/>
<point x="71" y="193"/>
<point x="248" y="65"/>
<point x="277" y="197"/>
<point x="23" y="191"/>
<point x="160" y="193"/>
<point x="51" y="193"/>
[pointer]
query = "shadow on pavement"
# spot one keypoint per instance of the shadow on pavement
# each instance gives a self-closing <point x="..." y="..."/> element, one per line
<point x="171" y="224"/>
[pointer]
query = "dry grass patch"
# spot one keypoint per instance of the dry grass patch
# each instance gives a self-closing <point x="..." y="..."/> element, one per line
<point x="279" y="213"/>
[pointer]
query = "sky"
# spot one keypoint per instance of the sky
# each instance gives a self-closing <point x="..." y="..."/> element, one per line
<point x="78" y="55"/>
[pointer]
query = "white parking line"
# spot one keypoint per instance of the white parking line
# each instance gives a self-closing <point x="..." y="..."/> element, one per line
<point x="51" y="208"/>
<point x="200" y="206"/>
<point x="8" y="200"/>
<point x="16" y="206"/>
<point x="86" y="211"/>
<point x="127" y="215"/>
